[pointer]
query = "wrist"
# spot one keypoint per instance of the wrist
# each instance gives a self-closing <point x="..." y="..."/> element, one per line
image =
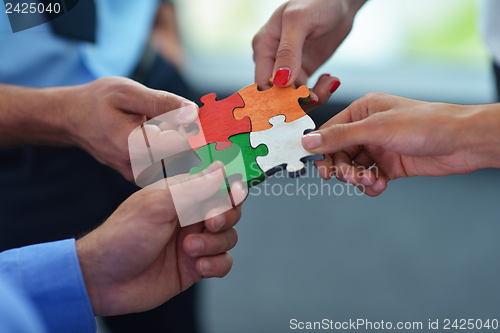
<point x="56" y="117"/>
<point x="85" y="260"/>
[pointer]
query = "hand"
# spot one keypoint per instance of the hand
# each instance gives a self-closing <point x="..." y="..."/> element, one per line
<point x="102" y="114"/>
<point x="140" y="257"/>
<point x="405" y="138"/>
<point x="300" y="36"/>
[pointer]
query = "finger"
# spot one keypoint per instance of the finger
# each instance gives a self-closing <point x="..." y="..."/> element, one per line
<point x="343" y="168"/>
<point x="223" y="221"/>
<point x="372" y="182"/>
<point x="225" y="213"/>
<point x="379" y="186"/>
<point x="364" y="176"/>
<point x="133" y="97"/>
<point x="165" y="144"/>
<point x="289" y="55"/>
<point x="264" y="57"/>
<point x="322" y="91"/>
<point x="189" y="190"/>
<point x="325" y="167"/>
<point x="209" y="244"/>
<point x="215" y="266"/>
<point x="265" y="45"/>
<point x="239" y="192"/>
<point x="186" y="114"/>
<point x="363" y="158"/>
<point x="363" y="161"/>
<point x="337" y="137"/>
<point x="301" y="79"/>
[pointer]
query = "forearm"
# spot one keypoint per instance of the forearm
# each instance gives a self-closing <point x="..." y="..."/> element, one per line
<point x="33" y="116"/>
<point x="481" y="132"/>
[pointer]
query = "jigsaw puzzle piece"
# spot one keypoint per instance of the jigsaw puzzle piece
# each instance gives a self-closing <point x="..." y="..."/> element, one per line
<point x="216" y="122"/>
<point x="284" y="141"/>
<point x="260" y="106"/>
<point x="239" y="159"/>
<point x="250" y="171"/>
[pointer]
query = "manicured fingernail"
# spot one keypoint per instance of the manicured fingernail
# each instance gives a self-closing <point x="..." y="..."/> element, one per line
<point x="378" y="187"/>
<point x="282" y="76"/>
<point x="195" y="246"/>
<point x="218" y="222"/>
<point x="312" y="102"/>
<point x="334" y="86"/>
<point x="187" y="112"/>
<point x="312" y="140"/>
<point x="204" y="267"/>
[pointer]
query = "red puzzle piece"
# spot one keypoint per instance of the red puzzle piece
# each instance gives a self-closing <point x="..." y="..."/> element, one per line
<point x="216" y="122"/>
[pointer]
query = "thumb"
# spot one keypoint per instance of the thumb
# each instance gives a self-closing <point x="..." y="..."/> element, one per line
<point x="289" y="55"/>
<point x="142" y="100"/>
<point x="339" y="137"/>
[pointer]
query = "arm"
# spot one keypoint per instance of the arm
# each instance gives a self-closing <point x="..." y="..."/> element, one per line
<point x="405" y="138"/>
<point x="138" y="259"/>
<point x="98" y="116"/>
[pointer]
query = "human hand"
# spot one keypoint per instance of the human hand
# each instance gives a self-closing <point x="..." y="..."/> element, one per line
<point x="405" y="138"/>
<point x="140" y="257"/>
<point x="101" y="115"/>
<point x="299" y="37"/>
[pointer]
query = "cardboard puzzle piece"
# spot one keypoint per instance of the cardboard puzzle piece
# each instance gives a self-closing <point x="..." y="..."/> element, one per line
<point x="239" y="159"/>
<point x="216" y="122"/>
<point x="284" y="141"/>
<point x="260" y="106"/>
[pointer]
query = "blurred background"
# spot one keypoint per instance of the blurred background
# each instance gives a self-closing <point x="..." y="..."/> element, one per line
<point x="426" y="249"/>
<point x="416" y="48"/>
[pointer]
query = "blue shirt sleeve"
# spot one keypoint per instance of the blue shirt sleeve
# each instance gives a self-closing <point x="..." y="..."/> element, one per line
<point x="17" y="314"/>
<point x="49" y="276"/>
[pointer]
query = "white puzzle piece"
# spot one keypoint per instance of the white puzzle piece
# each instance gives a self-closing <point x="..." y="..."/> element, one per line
<point x="284" y="141"/>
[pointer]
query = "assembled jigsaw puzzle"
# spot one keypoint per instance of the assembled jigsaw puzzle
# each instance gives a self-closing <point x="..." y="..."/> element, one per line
<point x="254" y="133"/>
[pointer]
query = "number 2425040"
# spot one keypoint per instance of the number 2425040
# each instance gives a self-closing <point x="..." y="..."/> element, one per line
<point x="32" y="8"/>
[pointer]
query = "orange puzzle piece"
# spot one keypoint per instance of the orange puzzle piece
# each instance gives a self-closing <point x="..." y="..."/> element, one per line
<point x="260" y="106"/>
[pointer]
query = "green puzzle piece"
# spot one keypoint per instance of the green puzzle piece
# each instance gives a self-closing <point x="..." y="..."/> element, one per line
<point x="239" y="159"/>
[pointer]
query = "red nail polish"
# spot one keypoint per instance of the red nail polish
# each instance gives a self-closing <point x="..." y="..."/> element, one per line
<point x="282" y="76"/>
<point x="334" y="86"/>
<point x="312" y="102"/>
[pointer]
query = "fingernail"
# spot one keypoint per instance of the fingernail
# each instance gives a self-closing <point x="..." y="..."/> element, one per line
<point x="204" y="267"/>
<point x="282" y="76"/>
<point x="378" y="187"/>
<point x="312" y="102"/>
<point x="334" y="86"/>
<point x="187" y="112"/>
<point x="218" y="222"/>
<point x="312" y="140"/>
<point x="195" y="246"/>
